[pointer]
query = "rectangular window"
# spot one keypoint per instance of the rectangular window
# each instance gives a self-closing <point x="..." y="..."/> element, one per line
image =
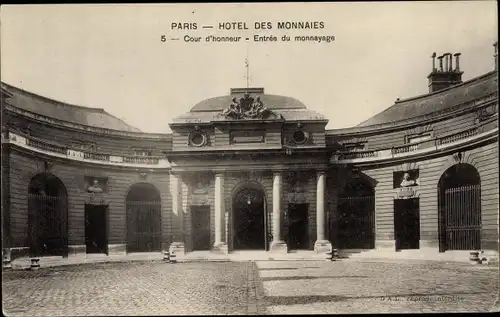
<point x="143" y="153"/>
<point x="419" y="138"/>
<point x="82" y="145"/>
<point x="350" y="147"/>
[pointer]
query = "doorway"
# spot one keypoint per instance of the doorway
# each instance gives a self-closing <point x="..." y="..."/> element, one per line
<point x="200" y="220"/>
<point x="298" y="233"/>
<point x="143" y="210"/>
<point x="356" y="222"/>
<point x="96" y="236"/>
<point x="250" y="220"/>
<point x="47" y="216"/>
<point x="407" y="223"/>
<point x="459" y="201"/>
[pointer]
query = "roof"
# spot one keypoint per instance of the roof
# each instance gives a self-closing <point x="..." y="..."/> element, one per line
<point x="434" y="102"/>
<point x="286" y="114"/>
<point x="208" y="110"/>
<point x="94" y="117"/>
<point x="271" y="102"/>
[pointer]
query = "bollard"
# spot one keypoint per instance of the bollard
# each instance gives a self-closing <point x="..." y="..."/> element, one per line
<point x="474" y="256"/>
<point x="335" y="254"/>
<point x="172" y="258"/>
<point x="35" y="265"/>
<point x="166" y="256"/>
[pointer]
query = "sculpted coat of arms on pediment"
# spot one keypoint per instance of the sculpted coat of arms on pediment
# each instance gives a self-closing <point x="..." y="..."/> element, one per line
<point x="247" y="107"/>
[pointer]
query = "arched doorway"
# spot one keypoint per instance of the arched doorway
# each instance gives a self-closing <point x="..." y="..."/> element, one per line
<point x="143" y="204"/>
<point x="459" y="200"/>
<point x="356" y="208"/>
<point x="250" y="219"/>
<point x="47" y="216"/>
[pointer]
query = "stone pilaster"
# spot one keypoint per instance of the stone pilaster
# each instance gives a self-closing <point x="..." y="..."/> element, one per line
<point x="177" y="245"/>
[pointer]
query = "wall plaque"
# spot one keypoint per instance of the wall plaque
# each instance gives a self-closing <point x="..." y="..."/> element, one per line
<point x="406" y="192"/>
<point x="96" y="199"/>
<point x="249" y="136"/>
<point x="199" y="200"/>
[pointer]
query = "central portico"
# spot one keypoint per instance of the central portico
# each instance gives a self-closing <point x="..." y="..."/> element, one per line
<point x="249" y="173"/>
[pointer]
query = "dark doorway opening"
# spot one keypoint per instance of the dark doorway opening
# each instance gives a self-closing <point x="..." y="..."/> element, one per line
<point x="143" y="203"/>
<point x="356" y="223"/>
<point x="459" y="201"/>
<point x="200" y="220"/>
<point x="47" y="216"/>
<point x="249" y="220"/>
<point x="96" y="231"/>
<point x="298" y="233"/>
<point x="407" y="223"/>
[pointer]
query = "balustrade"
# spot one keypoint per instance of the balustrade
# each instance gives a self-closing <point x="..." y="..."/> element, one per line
<point x="45" y="145"/>
<point x="405" y="148"/>
<point x="96" y="156"/>
<point x="141" y="159"/>
<point x="458" y="136"/>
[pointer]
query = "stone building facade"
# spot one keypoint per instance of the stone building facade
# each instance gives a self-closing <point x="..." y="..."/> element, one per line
<point x="255" y="171"/>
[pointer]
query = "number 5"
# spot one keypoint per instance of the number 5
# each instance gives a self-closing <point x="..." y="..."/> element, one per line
<point x="163" y="38"/>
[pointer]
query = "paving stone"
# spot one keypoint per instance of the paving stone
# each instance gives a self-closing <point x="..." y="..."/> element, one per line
<point x="348" y="287"/>
<point x="250" y="288"/>
<point x="138" y="288"/>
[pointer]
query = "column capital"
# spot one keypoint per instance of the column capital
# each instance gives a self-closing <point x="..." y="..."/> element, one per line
<point x="320" y="172"/>
<point x="219" y="174"/>
<point x="176" y="173"/>
<point x="277" y="173"/>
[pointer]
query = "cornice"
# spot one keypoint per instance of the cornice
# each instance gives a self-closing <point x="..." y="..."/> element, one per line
<point x="88" y="129"/>
<point x="384" y="156"/>
<point x="416" y="121"/>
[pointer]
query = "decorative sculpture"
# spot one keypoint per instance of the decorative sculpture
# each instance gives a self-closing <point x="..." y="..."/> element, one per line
<point x="247" y="107"/>
<point x="95" y="187"/>
<point x="407" y="181"/>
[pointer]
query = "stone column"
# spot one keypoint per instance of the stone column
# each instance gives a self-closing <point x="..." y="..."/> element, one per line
<point x="177" y="244"/>
<point x="321" y="244"/>
<point x="277" y="245"/>
<point x="219" y="245"/>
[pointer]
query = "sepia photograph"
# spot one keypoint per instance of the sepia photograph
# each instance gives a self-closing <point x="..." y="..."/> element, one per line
<point x="249" y="158"/>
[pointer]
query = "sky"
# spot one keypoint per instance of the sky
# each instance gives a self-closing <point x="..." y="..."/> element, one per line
<point x="112" y="56"/>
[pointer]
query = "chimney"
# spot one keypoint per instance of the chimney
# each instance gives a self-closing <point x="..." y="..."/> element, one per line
<point x="457" y="61"/>
<point x="495" y="45"/>
<point x="446" y="76"/>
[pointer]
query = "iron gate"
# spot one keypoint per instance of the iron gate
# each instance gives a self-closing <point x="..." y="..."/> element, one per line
<point x="356" y="225"/>
<point x="143" y="226"/>
<point x="47" y="222"/>
<point x="462" y="218"/>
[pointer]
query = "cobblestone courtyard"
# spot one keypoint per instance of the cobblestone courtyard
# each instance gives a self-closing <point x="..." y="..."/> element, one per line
<point x="264" y="287"/>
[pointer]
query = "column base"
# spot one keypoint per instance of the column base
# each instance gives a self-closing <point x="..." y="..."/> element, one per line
<point x="177" y="248"/>
<point x="220" y="248"/>
<point x="278" y="247"/>
<point x="19" y="252"/>
<point x="321" y="246"/>
<point x="77" y="253"/>
<point x="385" y="245"/>
<point x="117" y="249"/>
